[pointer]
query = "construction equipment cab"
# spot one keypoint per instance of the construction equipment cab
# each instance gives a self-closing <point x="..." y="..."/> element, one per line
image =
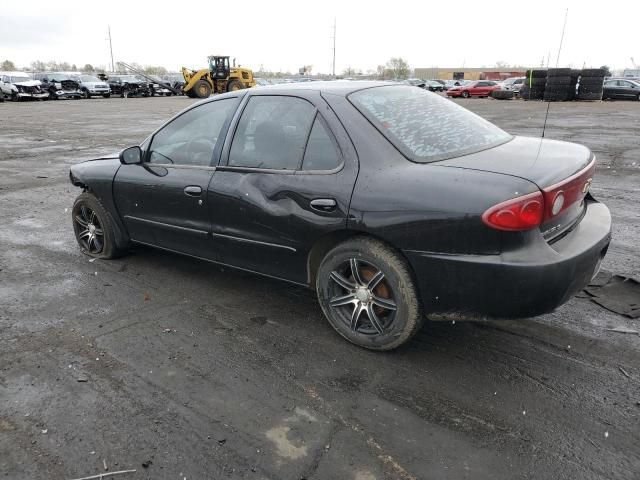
<point x="220" y="77"/>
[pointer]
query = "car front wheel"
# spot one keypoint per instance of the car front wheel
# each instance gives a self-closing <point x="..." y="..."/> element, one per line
<point x="93" y="227"/>
<point x="367" y="292"/>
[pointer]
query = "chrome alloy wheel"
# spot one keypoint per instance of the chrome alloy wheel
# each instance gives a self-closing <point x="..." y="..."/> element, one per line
<point x="361" y="297"/>
<point x="89" y="230"/>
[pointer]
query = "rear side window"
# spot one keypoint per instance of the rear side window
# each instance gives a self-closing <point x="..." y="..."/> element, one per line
<point x="272" y="133"/>
<point x="321" y="152"/>
<point x="424" y="126"/>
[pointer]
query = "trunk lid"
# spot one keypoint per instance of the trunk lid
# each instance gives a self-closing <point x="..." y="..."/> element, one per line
<point x="541" y="161"/>
<point x="562" y="171"/>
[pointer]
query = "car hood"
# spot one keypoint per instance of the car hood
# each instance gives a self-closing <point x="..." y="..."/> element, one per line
<point x="541" y="161"/>
<point x="95" y="84"/>
<point x="29" y="83"/>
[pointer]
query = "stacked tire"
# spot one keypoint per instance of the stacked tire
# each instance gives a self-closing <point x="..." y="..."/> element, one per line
<point x="591" y="84"/>
<point x="534" y="85"/>
<point x="558" y="85"/>
<point x="575" y="75"/>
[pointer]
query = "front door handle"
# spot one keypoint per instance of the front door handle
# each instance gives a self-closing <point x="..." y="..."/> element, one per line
<point x="324" y="204"/>
<point x="192" y="190"/>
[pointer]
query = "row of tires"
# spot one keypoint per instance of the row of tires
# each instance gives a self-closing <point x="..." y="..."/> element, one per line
<point x="563" y="84"/>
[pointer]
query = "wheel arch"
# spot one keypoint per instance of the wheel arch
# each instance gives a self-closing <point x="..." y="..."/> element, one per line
<point x="330" y="240"/>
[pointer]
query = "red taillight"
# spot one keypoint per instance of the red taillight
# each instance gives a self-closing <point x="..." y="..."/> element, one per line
<point x="529" y="211"/>
<point x="562" y="195"/>
<point x="522" y="213"/>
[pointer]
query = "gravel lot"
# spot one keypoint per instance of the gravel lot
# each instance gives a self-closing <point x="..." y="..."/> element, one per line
<point x="180" y="369"/>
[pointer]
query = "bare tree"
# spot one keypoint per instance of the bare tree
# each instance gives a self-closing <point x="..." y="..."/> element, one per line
<point x="7" y="65"/>
<point x="398" y="67"/>
<point x="88" y="68"/>
<point x="38" y="66"/>
<point x="380" y="72"/>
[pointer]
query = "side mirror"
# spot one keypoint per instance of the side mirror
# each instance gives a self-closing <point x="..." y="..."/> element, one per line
<point x="131" y="156"/>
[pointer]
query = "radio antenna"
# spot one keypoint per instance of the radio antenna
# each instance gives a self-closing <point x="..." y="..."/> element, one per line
<point x="564" y="26"/>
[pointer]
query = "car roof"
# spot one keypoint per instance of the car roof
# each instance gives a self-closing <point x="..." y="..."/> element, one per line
<point x="336" y="87"/>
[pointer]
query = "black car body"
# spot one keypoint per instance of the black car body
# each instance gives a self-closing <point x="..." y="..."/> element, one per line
<point x="128" y="86"/>
<point x="59" y="85"/>
<point x="621" y="88"/>
<point x="473" y="222"/>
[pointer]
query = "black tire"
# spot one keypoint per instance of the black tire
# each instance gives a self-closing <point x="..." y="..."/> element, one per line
<point x="555" y="89"/>
<point x="234" y="84"/>
<point x="559" y="72"/>
<point x="89" y="217"/>
<point x="592" y="81"/>
<point x="564" y="80"/>
<point x="107" y="95"/>
<point x="556" y="96"/>
<point x="168" y="94"/>
<point x="394" y="323"/>
<point x="538" y="74"/>
<point x="15" y="97"/>
<point x="589" y="96"/>
<point x="593" y="72"/>
<point x="502" y="94"/>
<point x="202" y="89"/>
<point x="86" y="94"/>
<point x="465" y="94"/>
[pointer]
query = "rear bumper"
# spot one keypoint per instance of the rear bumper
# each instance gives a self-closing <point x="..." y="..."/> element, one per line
<point x="526" y="282"/>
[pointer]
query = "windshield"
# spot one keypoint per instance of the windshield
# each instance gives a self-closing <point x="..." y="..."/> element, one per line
<point x="424" y="126"/>
<point x="128" y="78"/>
<point x="20" y="79"/>
<point x="57" y="77"/>
<point x="89" y="78"/>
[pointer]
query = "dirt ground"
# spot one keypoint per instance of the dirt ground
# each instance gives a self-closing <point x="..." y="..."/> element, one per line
<point x="180" y="369"/>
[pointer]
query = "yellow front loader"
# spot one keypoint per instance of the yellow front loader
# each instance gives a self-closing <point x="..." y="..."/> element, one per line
<point x="218" y="78"/>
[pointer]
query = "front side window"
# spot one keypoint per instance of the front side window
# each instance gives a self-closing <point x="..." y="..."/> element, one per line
<point x="424" y="126"/>
<point x="191" y="138"/>
<point x="272" y="133"/>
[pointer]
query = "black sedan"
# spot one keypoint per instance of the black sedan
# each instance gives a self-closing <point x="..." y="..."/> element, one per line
<point x="390" y="201"/>
<point x="128" y="86"/>
<point x="621" y="88"/>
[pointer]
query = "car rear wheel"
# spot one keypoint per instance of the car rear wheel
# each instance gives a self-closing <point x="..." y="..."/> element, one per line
<point x="367" y="292"/>
<point x="93" y="227"/>
<point x="465" y="94"/>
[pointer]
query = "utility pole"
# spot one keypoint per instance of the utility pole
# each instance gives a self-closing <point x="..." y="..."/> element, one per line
<point x="111" y="49"/>
<point x="564" y="26"/>
<point x="334" y="48"/>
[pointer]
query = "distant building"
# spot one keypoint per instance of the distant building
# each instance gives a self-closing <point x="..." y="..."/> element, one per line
<point x="468" y="73"/>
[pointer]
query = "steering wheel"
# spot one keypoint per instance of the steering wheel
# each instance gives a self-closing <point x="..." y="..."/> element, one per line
<point x="199" y="151"/>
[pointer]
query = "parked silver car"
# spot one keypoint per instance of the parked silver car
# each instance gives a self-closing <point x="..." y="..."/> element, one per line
<point x="18" y="86"/>
<point x="91" y="86"/>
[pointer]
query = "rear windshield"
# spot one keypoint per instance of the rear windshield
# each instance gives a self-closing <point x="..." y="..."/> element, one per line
<point x="424" y="126"/>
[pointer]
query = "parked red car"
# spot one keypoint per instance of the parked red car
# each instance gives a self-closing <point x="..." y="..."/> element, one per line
<point x="480" y="88"/>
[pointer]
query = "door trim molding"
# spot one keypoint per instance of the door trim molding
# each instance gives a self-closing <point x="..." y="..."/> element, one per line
<point x="167" y="226"/>
<point x="248" y="240"/>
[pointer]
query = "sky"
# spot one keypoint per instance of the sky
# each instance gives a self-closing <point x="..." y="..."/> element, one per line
<point x="283" y="35"/>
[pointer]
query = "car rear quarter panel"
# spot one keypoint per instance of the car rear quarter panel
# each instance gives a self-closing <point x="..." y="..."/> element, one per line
<point x="422" y="207"/>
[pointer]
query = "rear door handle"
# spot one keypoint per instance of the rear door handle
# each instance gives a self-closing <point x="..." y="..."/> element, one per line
<point x="323" y="204"/>
<point x="192" y="190"/>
